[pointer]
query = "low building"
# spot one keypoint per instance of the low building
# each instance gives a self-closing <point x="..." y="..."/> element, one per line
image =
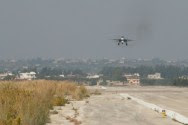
<point x="3" y="75"/>
<point x="133" y="79"/>
<point x="93" y="76"/>
<point x="155" y="76"/>
<point x="62" y="76"/>
<point x="115" y="83"/>
<point x="27" y="76"/>
<point x="71" y="76"/>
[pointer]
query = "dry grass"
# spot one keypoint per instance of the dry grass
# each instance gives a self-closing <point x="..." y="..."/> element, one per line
<point x="29" y="102"/>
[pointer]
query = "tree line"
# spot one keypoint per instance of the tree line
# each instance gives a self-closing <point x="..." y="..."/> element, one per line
<point x="168" y="72"/>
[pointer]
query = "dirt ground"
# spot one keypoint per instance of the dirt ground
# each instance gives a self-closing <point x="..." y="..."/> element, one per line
<point x="110" y="108"/>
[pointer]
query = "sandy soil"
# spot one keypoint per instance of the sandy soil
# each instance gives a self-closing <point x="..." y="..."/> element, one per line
<point x="111" y="109"/>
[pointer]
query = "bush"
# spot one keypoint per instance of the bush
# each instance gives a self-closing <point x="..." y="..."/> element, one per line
<point x="59" y="101"/>
<point x="81" y="93"/>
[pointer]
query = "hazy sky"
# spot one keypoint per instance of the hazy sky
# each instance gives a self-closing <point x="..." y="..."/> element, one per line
<point x="83" y="28"/>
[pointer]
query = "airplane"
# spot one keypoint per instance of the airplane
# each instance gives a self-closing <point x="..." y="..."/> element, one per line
<point x="122" y="41"/>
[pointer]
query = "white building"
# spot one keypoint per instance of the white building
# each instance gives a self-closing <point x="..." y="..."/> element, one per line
<point x="155" y="76"/>
<point x="133" y="79"/>
<point x="27" y="76"/>
<point x="3" y="75"/>
<point x="63" y="76"/>
<point x="93" y="76"/>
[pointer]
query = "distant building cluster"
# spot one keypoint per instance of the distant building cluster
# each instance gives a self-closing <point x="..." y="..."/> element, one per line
<point x="98" y="79"/>
<point x="95" y="71"/>
<point x="20" y="76"/>
<point x="183" y="77"/>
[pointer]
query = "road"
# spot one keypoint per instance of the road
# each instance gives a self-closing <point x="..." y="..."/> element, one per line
<point x="110" y="108"/>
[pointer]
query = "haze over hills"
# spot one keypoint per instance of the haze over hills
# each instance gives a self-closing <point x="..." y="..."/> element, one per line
<point x="87" y="65"/>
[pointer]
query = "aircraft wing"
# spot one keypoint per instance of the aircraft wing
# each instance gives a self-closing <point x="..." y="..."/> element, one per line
<point x="129" y="40"/>
<point x="116" y="39"/>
